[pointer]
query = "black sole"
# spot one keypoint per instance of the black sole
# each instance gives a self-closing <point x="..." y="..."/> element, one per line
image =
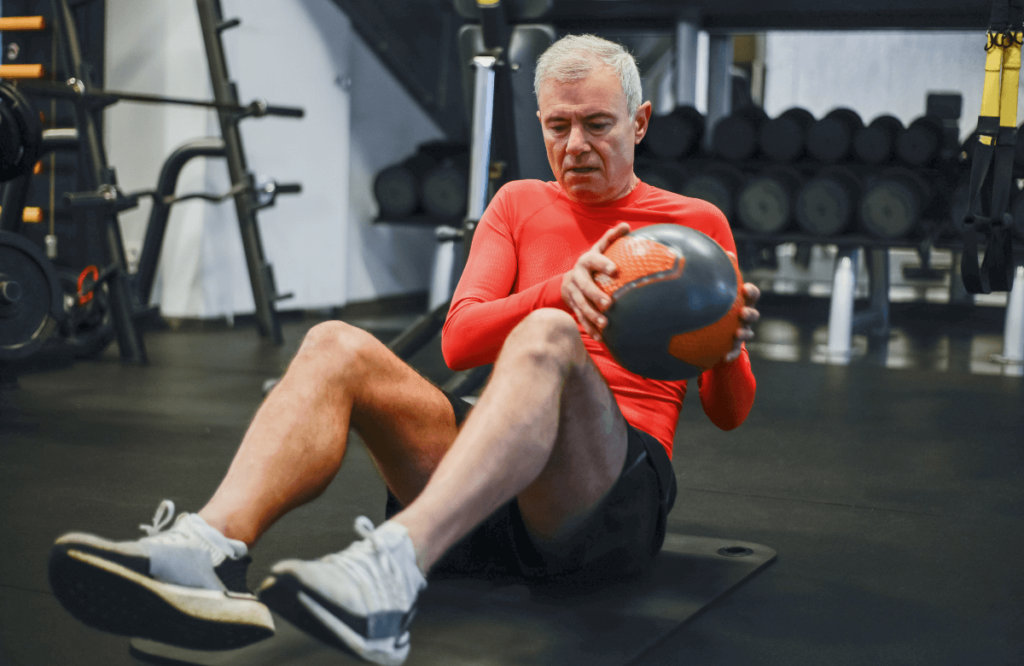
<point x="106" y="601"/>
<point x="282" y="597"/>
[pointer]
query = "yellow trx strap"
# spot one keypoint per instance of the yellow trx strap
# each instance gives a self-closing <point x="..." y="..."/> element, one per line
<point x="997" y="136"/>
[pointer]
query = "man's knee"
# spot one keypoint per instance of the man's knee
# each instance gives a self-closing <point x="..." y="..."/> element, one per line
<point x="337" y="348"/>
<point x="547" y="335"/>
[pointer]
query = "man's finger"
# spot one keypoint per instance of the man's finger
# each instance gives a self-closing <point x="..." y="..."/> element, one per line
<point x="751" y="292"/>
<point x="590" y="314"/>
<point x="594" y="262"/>
<point x="610" y="236"/>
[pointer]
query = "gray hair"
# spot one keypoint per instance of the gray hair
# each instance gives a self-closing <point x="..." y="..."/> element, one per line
<point x="574" y="56"/>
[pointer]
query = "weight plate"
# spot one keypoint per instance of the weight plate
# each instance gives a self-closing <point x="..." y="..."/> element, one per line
<point x="31" y="299"/>
<point x="16" y="111"/>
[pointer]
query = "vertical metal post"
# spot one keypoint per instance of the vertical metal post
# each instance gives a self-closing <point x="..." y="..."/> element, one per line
<point x="97" y="173"/>
<point x="479" y="181"/>
<point x="720" y="57"/>
<point x="840" y="318"/>
<point x="480" y="146"/>
<point x="878" y="265"/>
<point x="686" y="63"/>
<point x="261" y="274"/>
<point x="958" y="293"/>
<point x="1013" y="330"/>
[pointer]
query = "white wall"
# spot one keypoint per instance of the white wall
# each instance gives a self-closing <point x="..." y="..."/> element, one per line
<point x="155" y="48"/>
<point x="289" y="52"/>
<point x="874" y="72"/>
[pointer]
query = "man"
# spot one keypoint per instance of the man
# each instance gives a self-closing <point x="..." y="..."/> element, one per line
<point x="548" y="477"/>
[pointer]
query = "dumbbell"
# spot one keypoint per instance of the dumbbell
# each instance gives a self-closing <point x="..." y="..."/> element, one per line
<point x="444" y="189"/>
<point x="876" y="143"/>
<point x="735" y="136"/>
<point x="893" y="202"/>
<point x="784" y="138"/>
<point x="826" y="205"/>
<point x="919" y="144"/>
<point x="717" y="184"/>
<point x="764" y="204"/>
<point x="667" y="176"/>
<point x="676" y="134"/>
<point x="829" y="139"/>
<point x="397" y="187"/>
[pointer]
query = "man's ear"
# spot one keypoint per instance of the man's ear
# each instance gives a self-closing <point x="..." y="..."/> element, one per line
<point x="642" y="121"/>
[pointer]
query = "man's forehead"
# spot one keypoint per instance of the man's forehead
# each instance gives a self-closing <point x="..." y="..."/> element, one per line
<point x="600" y="92"/>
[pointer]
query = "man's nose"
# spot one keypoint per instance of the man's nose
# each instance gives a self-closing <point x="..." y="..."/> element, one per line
<point x="577" y="141"/>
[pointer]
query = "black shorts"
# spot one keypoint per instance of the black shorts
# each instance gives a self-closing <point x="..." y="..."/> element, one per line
<point x="618" y="540"/>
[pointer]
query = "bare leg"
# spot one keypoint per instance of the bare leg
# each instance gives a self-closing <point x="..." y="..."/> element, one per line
<point x="546" y="429"/>
<point x="340" y="377"/>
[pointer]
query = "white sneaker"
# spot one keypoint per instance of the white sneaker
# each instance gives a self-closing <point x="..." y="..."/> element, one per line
<point x="184" y="586"/>
<point x="360" y="600"/>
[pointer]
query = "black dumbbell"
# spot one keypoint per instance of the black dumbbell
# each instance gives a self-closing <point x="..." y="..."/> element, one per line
<point x="397" y="187"/>
<point x="893" y="202"/>
<point x="830" y="139"/>
<point x="784" y="138"/>
<point x="764" y="204"/>
<point x="445" y="188"/>
<point x="919" y="144"/>
<point x="826" y="205"/>
<point x="735" y="136"/>
<point x="667" y="176"/>
<point x="675" y="135"/>
<point x="717" y="184"/>
<point x="876" y="143"/>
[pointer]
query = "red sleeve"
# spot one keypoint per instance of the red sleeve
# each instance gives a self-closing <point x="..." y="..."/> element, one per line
<point x="484" y="310"/>
<point x="726" y="390"/>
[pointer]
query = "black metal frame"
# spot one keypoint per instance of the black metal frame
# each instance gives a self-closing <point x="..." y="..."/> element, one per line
<point x="129" y="294"/>
<point x="97" y="175"/>
<point x="261" y="274"/>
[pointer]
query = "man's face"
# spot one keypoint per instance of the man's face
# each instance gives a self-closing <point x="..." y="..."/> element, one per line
<point x="589" y="136"/>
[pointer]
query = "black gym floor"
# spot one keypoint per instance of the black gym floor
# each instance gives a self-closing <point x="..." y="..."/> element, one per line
<point x="891" y="488"/>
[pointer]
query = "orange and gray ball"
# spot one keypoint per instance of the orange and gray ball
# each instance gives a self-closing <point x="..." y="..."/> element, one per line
<point x="676" y="302"/>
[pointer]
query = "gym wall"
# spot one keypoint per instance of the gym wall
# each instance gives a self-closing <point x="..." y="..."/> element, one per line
<point x="291" y="52"/>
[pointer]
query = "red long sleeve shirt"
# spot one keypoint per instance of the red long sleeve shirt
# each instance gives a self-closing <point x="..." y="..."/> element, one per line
<point x="530" y="235"/>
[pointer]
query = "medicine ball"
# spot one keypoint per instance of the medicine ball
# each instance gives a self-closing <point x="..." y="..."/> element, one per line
<point x="676" y="302"/>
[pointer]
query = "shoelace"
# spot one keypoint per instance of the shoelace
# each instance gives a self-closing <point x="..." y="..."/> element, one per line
<point x="181" y="531"/>
<point x="161" y="519"/>
<point x="363" y="559"/>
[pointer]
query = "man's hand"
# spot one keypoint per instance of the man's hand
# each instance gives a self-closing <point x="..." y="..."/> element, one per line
<point x="581" y="293"/>
<point x="748" y="316"/>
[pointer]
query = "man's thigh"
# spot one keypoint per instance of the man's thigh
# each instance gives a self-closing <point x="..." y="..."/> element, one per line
<point x="587" y="458"/>
<point x="405" y="421"/>
<point x="616" y="540"/>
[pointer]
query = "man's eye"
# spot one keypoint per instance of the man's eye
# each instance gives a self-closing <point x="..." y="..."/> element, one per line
<point x="599" y="127"/>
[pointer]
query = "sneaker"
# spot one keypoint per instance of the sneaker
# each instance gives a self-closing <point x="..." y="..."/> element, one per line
<point x="360" y="600"/>
<point x="184" y="586"/>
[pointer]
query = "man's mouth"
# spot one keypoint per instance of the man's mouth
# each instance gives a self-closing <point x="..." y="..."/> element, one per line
<point x="583" y="169"/>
